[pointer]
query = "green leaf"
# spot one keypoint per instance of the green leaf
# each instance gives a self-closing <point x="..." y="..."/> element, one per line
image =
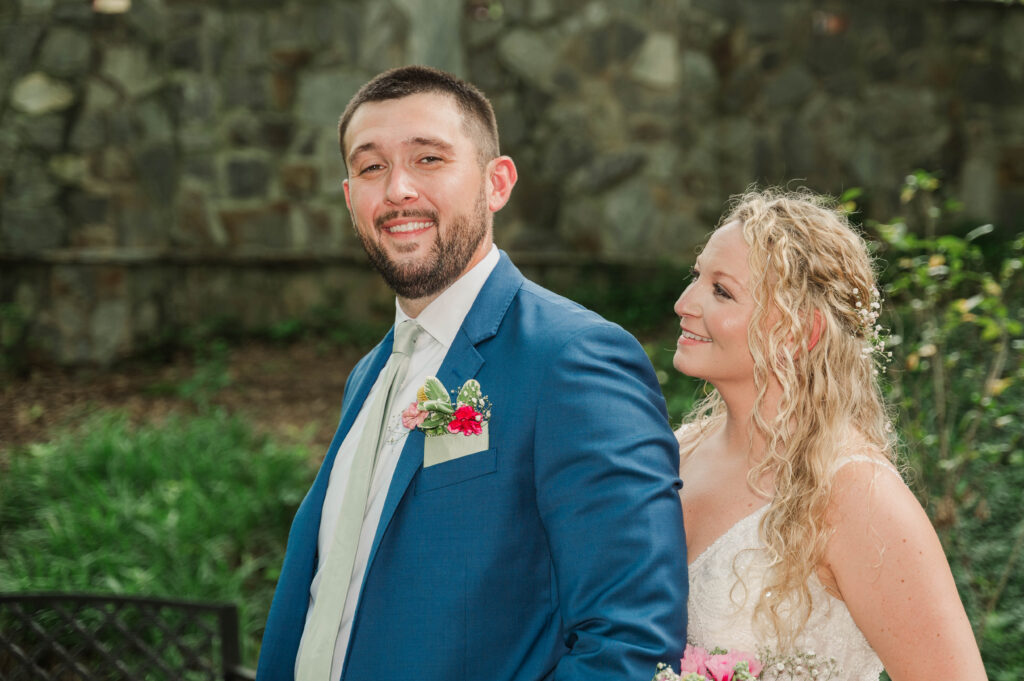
<point x="851" y="194"/>
<point x="442" y="406"/>
<point x="979" y="231"/>
<point x="469" y="392"/>
<point x="434" y="422"/>
<point x="434" y="390"/>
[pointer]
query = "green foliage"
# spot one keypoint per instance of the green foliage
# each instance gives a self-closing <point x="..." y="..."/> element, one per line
<point x="210" y="375"/>
<point x="331" y="324"/>
<point x="957" y="380"/>
<point x="197" y="507"/>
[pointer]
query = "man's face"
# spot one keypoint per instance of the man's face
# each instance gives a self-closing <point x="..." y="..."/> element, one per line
<point x="416" y="192"/>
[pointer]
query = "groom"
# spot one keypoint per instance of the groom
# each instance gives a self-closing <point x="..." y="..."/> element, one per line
<point x="534" y="534"/>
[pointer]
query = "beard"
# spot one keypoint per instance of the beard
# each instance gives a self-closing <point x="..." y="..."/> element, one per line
<point x="446" y="261"/>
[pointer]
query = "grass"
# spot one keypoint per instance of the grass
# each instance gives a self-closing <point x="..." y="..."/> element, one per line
<point x="197" y="507"/>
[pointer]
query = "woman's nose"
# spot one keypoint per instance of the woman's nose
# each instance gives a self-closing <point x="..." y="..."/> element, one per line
<point x="686" y="305"/>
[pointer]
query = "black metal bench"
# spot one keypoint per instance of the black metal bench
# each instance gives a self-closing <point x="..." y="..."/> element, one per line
<point x="87" y="637"/>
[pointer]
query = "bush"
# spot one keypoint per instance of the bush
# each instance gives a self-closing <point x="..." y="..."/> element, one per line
<point x="197" y="507"/>
<point x="956" y="305"/>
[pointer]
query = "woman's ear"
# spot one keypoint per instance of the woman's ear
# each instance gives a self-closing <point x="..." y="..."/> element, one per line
<point x="816" y="328"/>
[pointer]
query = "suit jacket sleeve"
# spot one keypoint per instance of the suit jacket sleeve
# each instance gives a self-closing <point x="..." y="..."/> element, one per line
<point x="607" y="484"/>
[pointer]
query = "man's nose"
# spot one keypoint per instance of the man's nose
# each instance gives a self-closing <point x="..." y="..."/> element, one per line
<point x="400" y="188"/>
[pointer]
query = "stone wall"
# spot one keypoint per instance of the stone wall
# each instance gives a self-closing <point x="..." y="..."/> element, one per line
<point x="178" y="162"/>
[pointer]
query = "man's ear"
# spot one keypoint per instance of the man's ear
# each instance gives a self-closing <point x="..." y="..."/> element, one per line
<point x="348" y="201"/>
<point x="816" y="328"/>
<point x="501" y="177"/>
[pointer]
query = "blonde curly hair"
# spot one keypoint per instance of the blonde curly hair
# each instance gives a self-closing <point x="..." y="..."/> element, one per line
<point x="806" y="263"/>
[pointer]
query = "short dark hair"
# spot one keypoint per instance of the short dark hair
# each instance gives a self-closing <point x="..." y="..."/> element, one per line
<point x="413" y="80"/>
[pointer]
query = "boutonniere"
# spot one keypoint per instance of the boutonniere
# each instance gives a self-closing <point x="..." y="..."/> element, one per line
<point x="434" y="413"/>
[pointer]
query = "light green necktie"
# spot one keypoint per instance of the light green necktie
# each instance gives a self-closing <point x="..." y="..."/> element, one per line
<point x="320" y="638"/>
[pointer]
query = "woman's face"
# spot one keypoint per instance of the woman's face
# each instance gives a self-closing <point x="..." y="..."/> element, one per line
<point x="715" y="311"/>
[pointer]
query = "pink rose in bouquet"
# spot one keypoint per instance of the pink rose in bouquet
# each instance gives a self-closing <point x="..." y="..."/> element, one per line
<point x="695" y="660"/>
<point x="718" y="665"/>
<point x="724" y="667"/>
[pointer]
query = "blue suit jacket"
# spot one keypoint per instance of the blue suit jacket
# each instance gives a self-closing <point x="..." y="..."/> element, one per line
<point x="558" y="553"/>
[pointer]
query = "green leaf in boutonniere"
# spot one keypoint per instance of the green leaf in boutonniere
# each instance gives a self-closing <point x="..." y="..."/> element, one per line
<point x="471" y="396"/>
<point x="433" y="398"/>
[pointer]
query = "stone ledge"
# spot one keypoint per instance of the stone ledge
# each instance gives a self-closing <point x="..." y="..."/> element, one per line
<point x="155" y="256"/>
<point x="136" y="257"/>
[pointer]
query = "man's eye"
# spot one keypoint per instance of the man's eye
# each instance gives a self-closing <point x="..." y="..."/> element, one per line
<point x="430" y="159"/>
<point x="370" y="168"/>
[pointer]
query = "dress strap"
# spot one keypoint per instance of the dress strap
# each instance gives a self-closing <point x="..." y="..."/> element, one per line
<point x="864" y="458"/>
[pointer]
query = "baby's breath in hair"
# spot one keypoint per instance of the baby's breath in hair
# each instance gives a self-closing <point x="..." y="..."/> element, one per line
<point x="868" y="328"/>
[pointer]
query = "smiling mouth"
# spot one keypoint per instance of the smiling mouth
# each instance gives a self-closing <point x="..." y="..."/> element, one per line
<point x="694" y="337"/>
<point x="406" y="227"/>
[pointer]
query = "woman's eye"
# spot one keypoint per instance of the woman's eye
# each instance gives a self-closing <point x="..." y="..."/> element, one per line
<point x="694" y="275"/>
<point x="722" y="293"/>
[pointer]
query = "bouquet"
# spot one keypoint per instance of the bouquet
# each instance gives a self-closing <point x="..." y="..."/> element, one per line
<point x="718" y="665"/>
<point x="724" y="665"/>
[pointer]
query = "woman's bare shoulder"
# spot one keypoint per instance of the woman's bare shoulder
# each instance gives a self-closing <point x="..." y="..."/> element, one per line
<point x="870" y="495"/>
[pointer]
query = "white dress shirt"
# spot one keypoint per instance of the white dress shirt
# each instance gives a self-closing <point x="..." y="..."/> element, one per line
<point x="440" y="321"/>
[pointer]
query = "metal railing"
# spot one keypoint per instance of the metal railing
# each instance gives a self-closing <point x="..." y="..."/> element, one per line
<point x="89" y="637"/>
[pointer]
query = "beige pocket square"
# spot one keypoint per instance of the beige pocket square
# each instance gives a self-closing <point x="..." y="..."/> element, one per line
<point x="441" y="448"/>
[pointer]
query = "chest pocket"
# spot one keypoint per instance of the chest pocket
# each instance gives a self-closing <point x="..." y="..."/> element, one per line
<point x="457" y="470"/>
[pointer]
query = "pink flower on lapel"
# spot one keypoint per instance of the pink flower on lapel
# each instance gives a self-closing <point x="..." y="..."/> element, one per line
<point x="413" y="417"/>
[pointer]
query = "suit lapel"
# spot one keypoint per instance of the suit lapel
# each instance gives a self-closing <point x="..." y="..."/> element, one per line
<point x="361" y="383"/>
<point x="375" y="362"/>
<point x="462" y="363"/>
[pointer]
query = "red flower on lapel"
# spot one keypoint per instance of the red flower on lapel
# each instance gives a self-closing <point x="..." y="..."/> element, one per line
<point x="466" y="420"/>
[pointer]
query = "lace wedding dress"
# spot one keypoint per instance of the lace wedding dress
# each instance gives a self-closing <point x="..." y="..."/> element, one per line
<point x="721" y="607"/>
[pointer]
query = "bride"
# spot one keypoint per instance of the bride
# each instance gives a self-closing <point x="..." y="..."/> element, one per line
<point x="805" y="545"/>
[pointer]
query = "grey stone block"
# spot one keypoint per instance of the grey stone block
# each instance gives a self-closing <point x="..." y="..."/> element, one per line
<point x="247" y="177"/>
<point x="158" y="173"/>
<point x="265" y="226"/>
<point x="66" y="52"/>
<point x="130" y="69"/>
<point x="789" y="88"/>
<point x="37" y="94"/>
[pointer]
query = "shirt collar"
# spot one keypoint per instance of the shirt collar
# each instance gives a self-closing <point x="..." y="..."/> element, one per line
<point x="443" y="317"/>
